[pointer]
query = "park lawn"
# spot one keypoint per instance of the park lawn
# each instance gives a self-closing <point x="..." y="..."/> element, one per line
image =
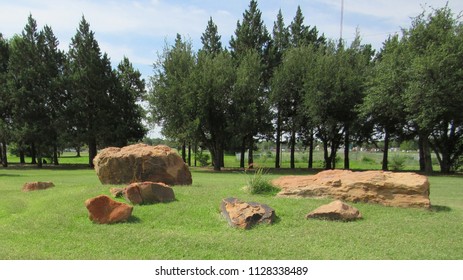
<point x="54" y="224"/>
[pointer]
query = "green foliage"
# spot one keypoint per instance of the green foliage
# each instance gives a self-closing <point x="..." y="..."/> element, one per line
<point x="398" y="162"/>
<point x="367" y="159"/>
<point x="203" y="158"/>
<point x="259" y="183"/>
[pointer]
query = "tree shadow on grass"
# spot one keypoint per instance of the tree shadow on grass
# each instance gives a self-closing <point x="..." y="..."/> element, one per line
<point x="440" y="208"/>
<point x="10" y="175"/>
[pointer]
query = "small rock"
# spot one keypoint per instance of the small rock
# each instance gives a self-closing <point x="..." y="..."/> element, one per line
<point x="104" y="210"/>
<point x="246" y="214"/>
<point x="335" y="211"/>
<point x="35" y="186"/>
<point x="117" y="192"/>
<point x="148" y="193"/>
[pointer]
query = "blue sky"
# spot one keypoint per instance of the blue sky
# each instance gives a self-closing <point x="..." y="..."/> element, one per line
<point x="139" y="29"/>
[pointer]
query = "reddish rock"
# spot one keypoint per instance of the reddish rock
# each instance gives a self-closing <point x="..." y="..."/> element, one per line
<point x="35" y="186"/>
<point x="381" y="187"/>
<point x="336" y="211"/>
<point x="148" y="193"/>
<point x="244" y="215"/>
<point x="140" y="163"/>
<point x="132" y="194"/>
<point x="104" y="210"/>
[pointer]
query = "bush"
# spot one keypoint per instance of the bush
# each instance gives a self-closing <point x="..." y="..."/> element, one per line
<point x="258" y="183"/>
<point x="398" y="163"/>
<point x="202" y="158"/>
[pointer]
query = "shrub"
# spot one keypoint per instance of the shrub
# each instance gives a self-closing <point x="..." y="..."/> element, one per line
<point x="398" y="162"/>
<point x="258" y="183"/>
<point x="202" y="158"/>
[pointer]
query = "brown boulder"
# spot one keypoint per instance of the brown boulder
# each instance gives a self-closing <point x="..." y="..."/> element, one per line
<point x="148" y="193"/>
<point x="244" y="215"/>
<point x="381" y="187"/>
<point x="335" y="211"/>
<point x="139" y="163"/>
<point x="35" y="186"/>
<point x="103" y="210"/>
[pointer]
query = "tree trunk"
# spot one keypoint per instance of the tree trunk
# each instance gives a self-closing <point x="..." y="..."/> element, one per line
<point x="310" y="163"/>
<point x="4" y="155"/>
<point x="189" y="154"/>
<point x="278" y="143"/>
<point x="184" y="152"/>
<point x="386" y="150"/>
<point x="33" y="154"/>
<point x="1" y="153"/>
<point x="425" y="153"/>
<point x="196" y="153"/>
<point x="421" y="152"/>
<point x="242" y="152"/>
<point x="217" y="159"/>
<point x="333" y="157"/>
<point x="92" y="151"/>
<point x="22" y="157"/>
<point x="293" y="148"/>
<point x="55" y="155"/>
<point x="251" y="152"/>
<point x="326" y="156"/>
<point x="39" y="157"/>
<point x="78" y="151"/>
<point x="346" y="146"/>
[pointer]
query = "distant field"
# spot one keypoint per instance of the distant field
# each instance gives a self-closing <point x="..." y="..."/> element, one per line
<point x="358" y="160"/>
<point x="53" y="224"/>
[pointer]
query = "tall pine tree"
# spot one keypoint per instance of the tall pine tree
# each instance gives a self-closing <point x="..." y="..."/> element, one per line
<point x="90" y="76"/>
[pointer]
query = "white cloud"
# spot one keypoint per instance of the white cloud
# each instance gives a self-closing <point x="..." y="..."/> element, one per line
<point x="137" y="28"/>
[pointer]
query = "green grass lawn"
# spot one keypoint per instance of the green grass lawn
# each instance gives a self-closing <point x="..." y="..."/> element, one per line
<point x="54" y="224"/>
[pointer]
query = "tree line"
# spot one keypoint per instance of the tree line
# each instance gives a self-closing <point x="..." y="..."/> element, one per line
<point x="51" y="99"/>
<point x="296" y="82"/>
<point x="291" y="81"/>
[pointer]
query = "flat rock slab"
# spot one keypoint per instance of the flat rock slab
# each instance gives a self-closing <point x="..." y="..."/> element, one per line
<point x="335" y="211"/>
<point x="387" y="188"/>
<point x="104" y="210"/>
<point x="245" y="215"/>
<point x="35" y="186"/>
<point x="148" y="193"/>
<point x="140" y="163"/>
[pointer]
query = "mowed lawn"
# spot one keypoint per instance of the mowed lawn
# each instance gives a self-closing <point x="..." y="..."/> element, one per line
<point x="54" y="224"/>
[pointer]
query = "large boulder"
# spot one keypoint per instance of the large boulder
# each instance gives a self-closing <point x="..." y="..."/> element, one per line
<point x="335" y="211"/>
<point x="148" y="193"/>
<point x="140" y="163"/>
<point x="244" y="215"/>
<point x="381" y="187"/>
<point x="35" y="186"/>
<point x="104" y="210"/>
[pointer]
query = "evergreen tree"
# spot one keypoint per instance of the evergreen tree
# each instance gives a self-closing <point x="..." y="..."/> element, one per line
<point x="211" y="39"/>
<point x="5" y="100"/>
<point x="127" y="92"/>
<point x="90" y="76"/>
<point x="32" y="83"/>
<point x="172" y="105"/>
<point x="280" y="44"/>
<point x="383" y="103"/>
<point x="252" y="35"/>
<point x="212" y="83"/>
